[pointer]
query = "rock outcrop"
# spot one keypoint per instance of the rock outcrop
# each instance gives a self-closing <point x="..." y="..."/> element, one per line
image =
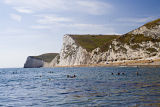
<point x="40" y="61"/>
<point x="140" y="44"/>
<point x="33" y="63"/>
<point x="72" y="53"/>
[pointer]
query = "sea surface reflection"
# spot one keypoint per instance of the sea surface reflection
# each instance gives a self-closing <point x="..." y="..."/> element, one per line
<point x="92" y="86"/>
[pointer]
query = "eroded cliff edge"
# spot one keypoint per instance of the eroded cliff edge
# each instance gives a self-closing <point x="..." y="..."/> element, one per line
<point x="140" y="44"/>
<point x="39" y="61"/>
<point x="33" y="63"/>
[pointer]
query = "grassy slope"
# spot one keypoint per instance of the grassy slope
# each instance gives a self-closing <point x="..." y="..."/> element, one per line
<point x="139" y="38"/>
<point x="91" y="42"/>
<point x="46" y="57"/>
<point x="152" y="24"/>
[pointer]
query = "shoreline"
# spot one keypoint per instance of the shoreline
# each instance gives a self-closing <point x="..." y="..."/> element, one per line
<point x="133" y="63"/>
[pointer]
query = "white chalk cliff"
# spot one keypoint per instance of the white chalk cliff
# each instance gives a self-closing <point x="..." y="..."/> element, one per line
<point x="33" y="63"/>
<point x="43" y="60"/>
<point x="140" y="44"/>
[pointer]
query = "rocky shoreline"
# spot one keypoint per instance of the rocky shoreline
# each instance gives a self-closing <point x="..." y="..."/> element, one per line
<point x="140" y="63"/>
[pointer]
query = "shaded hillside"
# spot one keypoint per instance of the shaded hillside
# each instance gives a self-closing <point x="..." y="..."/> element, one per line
<point x="48" y="57"/>
<point x="91" y="42"/>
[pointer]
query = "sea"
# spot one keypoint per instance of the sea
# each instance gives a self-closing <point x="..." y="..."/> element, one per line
<point x="80" y="87"/>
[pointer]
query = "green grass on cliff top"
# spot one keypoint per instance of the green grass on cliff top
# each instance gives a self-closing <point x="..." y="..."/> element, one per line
<point x="48" y="57"/>
<point x="91" y="42"/>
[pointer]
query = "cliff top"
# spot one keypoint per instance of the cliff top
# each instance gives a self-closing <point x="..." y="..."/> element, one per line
<point x="152" y="24"/>
<point x="91" y="42"/>
<point x="143" y="35"/>
<point x="48" y="57"/>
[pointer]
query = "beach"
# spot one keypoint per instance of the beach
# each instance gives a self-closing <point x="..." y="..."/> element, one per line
<point x="133" y="63"/>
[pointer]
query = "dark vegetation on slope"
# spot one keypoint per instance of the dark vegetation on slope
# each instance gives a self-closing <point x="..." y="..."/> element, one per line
<point x="48" y="57"/>
<point x="139" y="38"/>
<point x="151" y="50"/>
<point x="130" y="38"/>
<point x="152" y="24"/>
<point x="91" y="42"/>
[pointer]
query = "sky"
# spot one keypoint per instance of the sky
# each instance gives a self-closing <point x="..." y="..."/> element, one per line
<point x="34" y="27"/>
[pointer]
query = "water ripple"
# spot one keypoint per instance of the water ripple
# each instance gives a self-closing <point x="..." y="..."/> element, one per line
<point x="95" y="86"/>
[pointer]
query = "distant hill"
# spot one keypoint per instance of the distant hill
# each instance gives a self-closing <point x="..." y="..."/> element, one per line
<point x="48" y="57"/>
<point x="39" y="61"/>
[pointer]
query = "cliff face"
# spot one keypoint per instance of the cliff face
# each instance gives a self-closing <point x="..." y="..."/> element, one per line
<point x="72" y="54"/>
<point x="33" y="63"/>
<point x="43" y="60"/>
<point x="140" y="44"/>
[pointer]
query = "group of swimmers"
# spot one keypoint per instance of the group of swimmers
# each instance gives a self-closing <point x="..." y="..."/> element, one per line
<point x="69" y="76"/>
<point x="123" y="73"/>
<point x="74" y="76"/>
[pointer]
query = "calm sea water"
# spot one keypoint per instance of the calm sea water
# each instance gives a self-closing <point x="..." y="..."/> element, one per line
<point x="95" y="86"/>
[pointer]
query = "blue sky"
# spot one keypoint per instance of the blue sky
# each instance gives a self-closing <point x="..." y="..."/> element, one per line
<point x="34" y="27"/>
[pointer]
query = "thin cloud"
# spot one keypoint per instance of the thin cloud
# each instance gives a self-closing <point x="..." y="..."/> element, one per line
<point x="23" y="10"/>
<point x="93" y="7"/>
<point x="92" y="28"/>
<point x="40" y="27"/>
<point x="50" y="19"/>
<point x="16" y="17"/>
<point x="135" y="20"/>
<point x="78" y="28"/>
